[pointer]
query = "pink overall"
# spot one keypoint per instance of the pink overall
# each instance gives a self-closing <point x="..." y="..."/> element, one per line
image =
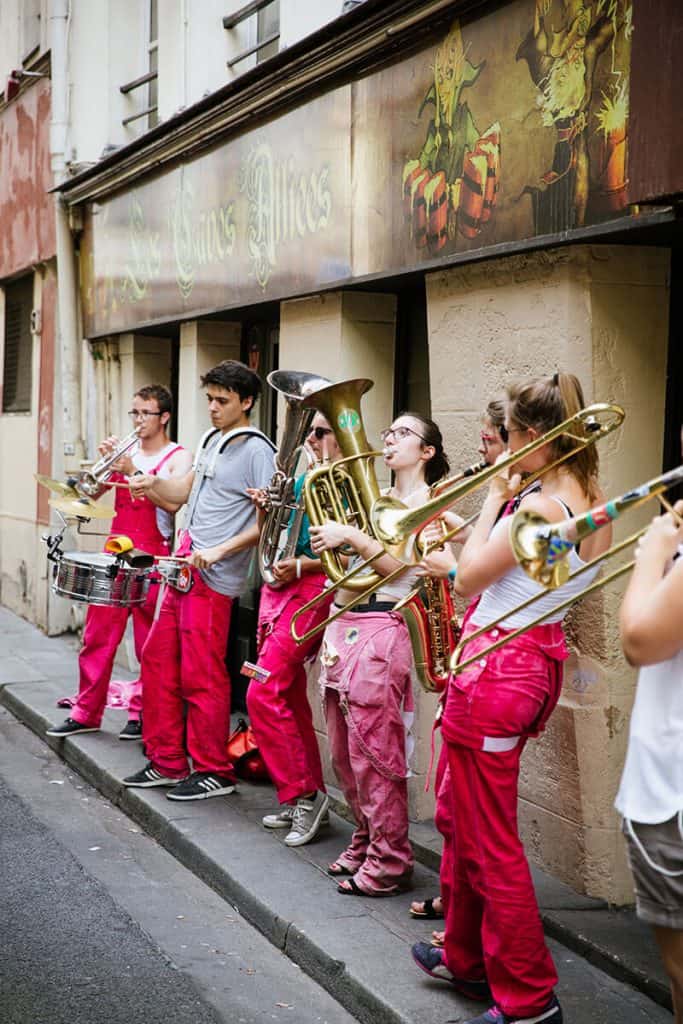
<point x="278" y="708"/>
<point x="365" y="680"/>
<point x="493" y="927"/>
<point x="183" y="665"/>
<point x="105" y="626"/>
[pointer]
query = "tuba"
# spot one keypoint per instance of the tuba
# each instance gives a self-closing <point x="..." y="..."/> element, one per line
<point x="284" y="514"/>
<point x="346" y="489"/>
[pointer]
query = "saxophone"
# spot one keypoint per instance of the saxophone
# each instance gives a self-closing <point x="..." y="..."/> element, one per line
<point x="430" y="615"/>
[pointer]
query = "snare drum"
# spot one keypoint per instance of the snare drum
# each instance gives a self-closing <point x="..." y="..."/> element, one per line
<point x="100" y="579"/>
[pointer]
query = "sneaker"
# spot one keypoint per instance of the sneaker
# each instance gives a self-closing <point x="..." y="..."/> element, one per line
<point x="430" y="960"/>
<point x="70" y="727"/>
<point x="552" y="1013"/>
<point x="283" y="818"/>
<point x="307" y="819"/>
<point x="132" y="730"/>
<point x="202" y="785"/>
<point x="148" y="777"/>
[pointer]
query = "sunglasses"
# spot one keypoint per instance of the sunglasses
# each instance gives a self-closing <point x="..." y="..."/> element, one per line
<point x="398" y="433"/>
<point x="320" y="432"/>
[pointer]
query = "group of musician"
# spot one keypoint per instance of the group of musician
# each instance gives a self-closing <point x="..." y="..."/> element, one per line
<point x="493" y="949"/>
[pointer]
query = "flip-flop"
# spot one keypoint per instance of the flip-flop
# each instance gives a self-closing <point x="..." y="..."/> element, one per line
<point x="351" y="888"/>
<point x="337" y="870"/>
<point x="428" y="912"/>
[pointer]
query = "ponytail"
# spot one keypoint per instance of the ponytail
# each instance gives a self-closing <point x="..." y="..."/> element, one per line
<point x="544" y="404"/>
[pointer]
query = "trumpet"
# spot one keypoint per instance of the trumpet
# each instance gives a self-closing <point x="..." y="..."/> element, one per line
<point x="397" y="527"/>
<point x="542" y="550"/>
<point x="92" y="483"/>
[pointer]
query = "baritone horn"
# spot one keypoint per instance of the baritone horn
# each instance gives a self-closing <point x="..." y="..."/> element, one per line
<point x="542" y="550"/>
<point x="344" y="490"/>
<point x="397" y="527"/>
<point x="284" y="514"/>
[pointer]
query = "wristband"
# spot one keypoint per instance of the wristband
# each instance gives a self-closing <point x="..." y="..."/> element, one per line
<point x="452" y="573"/>
<point x="298" y="568"/>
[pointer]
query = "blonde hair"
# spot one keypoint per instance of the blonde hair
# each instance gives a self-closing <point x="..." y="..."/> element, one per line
<point x="544" y="404"/>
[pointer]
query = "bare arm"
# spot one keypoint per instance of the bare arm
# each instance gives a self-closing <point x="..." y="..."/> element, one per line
<point x="172" y="492"/>
<point x="203" y="558"/>
<point x="651" y="618"/>
<point x="179" y="465"/>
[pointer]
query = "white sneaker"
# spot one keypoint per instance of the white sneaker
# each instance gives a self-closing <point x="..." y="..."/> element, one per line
<point x="283" y="818"/>
<point x="308" y="817"/>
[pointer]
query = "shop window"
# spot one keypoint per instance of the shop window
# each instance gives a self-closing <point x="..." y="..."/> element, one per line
<point x="18" y="349"/>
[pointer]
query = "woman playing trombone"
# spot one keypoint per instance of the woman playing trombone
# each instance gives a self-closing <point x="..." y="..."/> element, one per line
<point x="366" y="663"/>
<point x="494" y="946"/>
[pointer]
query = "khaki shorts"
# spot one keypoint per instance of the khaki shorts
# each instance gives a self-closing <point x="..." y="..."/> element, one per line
<point x="659" y="897"/>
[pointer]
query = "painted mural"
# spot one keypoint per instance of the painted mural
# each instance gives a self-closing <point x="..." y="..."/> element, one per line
<point x="506" y="127"/>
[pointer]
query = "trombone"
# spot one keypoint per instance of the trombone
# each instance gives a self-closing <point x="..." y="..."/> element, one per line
<point x="542" y="550"/>
<point x="396" y="526"/>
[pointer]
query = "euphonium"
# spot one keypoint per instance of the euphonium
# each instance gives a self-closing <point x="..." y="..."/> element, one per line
<point x="284" y="514"/>
<point x="92" y="483"/>
<point x="346" y="489"/>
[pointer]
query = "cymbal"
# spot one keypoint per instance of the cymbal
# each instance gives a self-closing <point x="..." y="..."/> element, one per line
<point x="81" y="508"/>
<point x="57" y="486"/>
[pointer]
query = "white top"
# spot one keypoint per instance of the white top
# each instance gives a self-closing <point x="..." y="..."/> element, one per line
<point x="146" y="463"/>
<point x="651" y="788"/>
<point x="516" y="587"/>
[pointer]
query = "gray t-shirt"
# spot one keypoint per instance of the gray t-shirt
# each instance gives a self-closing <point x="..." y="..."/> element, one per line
<point x="221" y="509"/>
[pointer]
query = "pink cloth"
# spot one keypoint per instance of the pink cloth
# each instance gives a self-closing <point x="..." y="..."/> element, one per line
<point x="366" y="661"/>
<point x="279" y="710"/>
<point x="444" y="816"/>
<point x="105" y="626"/>
<point x="493" y="927"/>
<point x="183" y="663"/>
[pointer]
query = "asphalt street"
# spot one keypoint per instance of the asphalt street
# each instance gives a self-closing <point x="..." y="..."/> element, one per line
<point x="102" y="926"/>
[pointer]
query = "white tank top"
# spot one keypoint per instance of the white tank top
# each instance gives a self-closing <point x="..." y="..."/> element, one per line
<point x="651" y="788"/>
<point x="516" y="587"/>
<point x="146" y="463"/>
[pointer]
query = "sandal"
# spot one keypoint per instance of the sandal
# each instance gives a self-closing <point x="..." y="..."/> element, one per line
<point x="438" y="939"/>
<point x="428" y="911"/>
<point x="350" y="887"/>
<point x="337" y="870"/>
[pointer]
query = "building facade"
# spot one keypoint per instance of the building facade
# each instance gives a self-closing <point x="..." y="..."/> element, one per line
<point x="439" y="196"/>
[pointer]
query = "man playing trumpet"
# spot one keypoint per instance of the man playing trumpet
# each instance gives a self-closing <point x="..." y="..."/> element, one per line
<point x="149" y="524"/>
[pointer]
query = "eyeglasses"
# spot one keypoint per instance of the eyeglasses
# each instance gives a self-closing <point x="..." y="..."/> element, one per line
<point x="142" y="414"/>
<point x="320" y="432"/>
<point x="398" y="433"/>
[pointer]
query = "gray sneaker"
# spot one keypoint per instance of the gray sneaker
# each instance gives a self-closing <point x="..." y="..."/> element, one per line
<point x="282" y="819"/>
<point x="307" y="819"/>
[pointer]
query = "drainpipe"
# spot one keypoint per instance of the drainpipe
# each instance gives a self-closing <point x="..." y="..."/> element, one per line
<point x="67" y="282"/>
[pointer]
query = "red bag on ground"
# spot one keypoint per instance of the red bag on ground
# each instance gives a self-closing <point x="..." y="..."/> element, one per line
<point x="245" y="754"/>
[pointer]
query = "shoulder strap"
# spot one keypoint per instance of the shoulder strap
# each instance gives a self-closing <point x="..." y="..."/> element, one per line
<point x="164" y="460"/>
<point x="240" y="432"/>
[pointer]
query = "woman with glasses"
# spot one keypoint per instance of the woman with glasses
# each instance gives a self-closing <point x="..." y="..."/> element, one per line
<point x="494" y="435"/>
<point x="494" y="947"/>
<point x="277" y="701"/>
<point x="366" y="663"/>
<point x="149" y="525"/>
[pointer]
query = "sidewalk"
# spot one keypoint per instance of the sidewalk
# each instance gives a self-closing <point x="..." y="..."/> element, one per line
<point x="357" y="949"/>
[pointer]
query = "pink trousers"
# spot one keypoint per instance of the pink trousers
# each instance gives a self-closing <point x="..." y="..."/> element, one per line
<point x="279" y="710"/>
<point x="183" y="667"/>
<point x="104" y="629"/>
<point x="444" y="822"/>
<point x="366" y="661"/>
<point x="493" y="926"/>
